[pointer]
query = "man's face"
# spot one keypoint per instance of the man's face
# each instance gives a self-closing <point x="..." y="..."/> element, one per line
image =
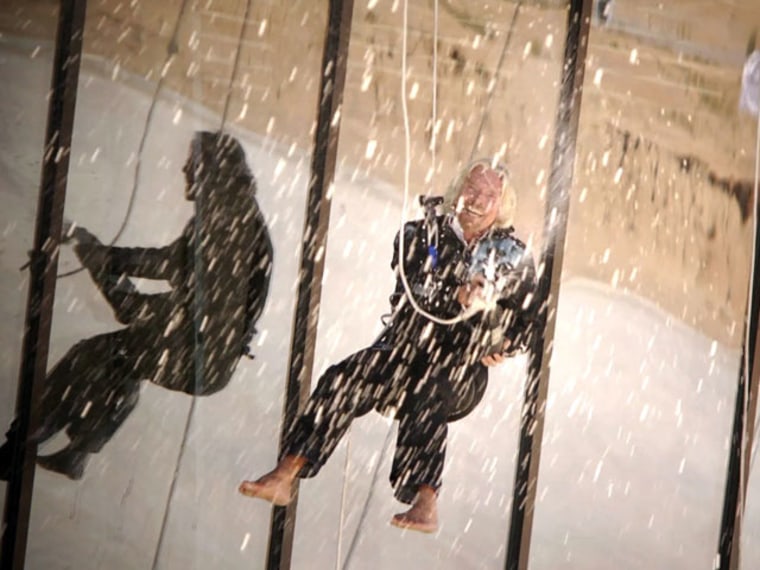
<point x="479" y="198"/>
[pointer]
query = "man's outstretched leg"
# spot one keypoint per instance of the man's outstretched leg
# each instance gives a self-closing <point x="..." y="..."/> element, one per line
<point x="344" y="392"/>
<point x="89" y="393"/>
<point x="277" y="485"/>
<point x="64" y="397"/>
<point x="66" y="393"/>
<point x="58" y="401"/>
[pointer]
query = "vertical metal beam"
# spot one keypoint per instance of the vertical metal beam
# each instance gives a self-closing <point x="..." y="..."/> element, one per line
<point x="332" y="81"/>
<point x="550" y="269"/>
<point x="43" y="268"/>
<point x="745" y="416"/>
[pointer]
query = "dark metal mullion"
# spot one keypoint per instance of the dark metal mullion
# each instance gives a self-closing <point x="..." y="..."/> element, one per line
<point x="42" y="278"/>
<point x="742" y="432"/>
<point x="303" y="339"/>
<point x="550" y="269"/>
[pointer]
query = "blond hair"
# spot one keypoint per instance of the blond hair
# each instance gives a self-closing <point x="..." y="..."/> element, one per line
<point x="505" y="216"/>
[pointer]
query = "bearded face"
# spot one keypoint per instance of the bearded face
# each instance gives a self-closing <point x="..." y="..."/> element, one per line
<point x="477" y="206"/>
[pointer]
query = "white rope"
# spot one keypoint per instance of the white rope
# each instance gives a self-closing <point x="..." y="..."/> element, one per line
<point x="401" y="263"/>
<point x="407" y="166"/>
<point x="434" y="118"/>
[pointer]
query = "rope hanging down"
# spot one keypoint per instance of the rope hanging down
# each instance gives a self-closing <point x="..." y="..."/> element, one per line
<point x="502" y="56"/>
<point x="407" y="168"/>
<point x="434" y="110"/>
<point x="470" y="311"/>
<point x="171" y="50"/>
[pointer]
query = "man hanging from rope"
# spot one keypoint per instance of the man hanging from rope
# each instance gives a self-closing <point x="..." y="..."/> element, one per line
<point x="189" y="339"/>
<point x="423" y="372"/>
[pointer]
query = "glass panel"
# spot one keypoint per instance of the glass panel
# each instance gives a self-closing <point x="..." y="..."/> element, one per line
<point x="234" y="435"/>
<point x="138" y="474"/>
<point x="647" y="347"/>
<point x="344" y="512"/>
<point x="26" y="43"/>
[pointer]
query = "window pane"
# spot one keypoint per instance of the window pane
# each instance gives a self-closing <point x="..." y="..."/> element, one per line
<point x="517" y="127"/>
<point x="646" y="354"/>
<point x="26" y="36"/>
<point x="159" y="485"/>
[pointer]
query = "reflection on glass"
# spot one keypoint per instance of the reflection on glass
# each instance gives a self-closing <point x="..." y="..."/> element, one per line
<point x="645" y="363"/>
<point x="649" y="325"/>
<point x="188" y="339"/>
<point x="175" y="268"/>
<point x="25" y="43"/>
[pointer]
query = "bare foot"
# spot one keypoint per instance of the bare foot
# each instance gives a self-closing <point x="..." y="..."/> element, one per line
<point x="271" y="487"/>
<point x="277" y="485"/>
<point x="423" y="516"/>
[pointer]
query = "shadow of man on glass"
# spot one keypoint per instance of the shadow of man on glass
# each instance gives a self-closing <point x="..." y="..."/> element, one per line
<point x="188" y="339"/>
